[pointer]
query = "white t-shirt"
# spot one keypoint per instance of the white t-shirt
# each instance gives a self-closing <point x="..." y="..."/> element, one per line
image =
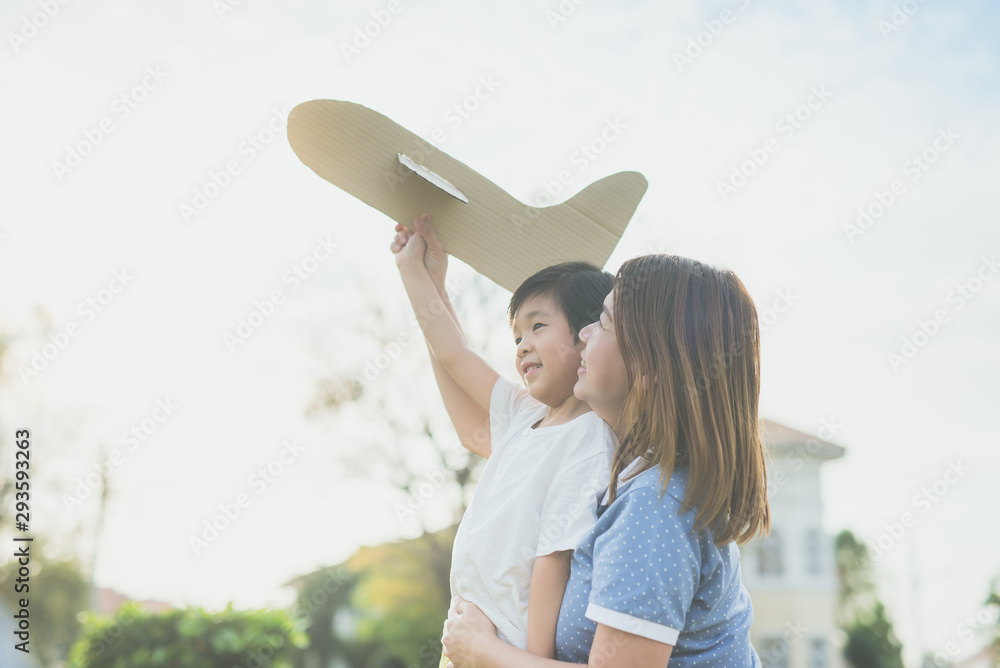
<point x="538" y="494"/>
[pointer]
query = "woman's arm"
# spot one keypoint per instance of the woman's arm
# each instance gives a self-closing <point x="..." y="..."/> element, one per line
<point x="470" y="641"/>
<point x="613" y="648"/>
<point x="548" y="584"/>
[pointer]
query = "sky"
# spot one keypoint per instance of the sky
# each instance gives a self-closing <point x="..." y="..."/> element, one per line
<point x="840" y="157"/>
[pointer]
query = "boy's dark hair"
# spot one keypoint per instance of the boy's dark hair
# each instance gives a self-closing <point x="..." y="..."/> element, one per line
<point x="577" y="288"/>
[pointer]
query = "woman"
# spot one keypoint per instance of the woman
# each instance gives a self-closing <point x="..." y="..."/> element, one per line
<point x="673" y="365"/>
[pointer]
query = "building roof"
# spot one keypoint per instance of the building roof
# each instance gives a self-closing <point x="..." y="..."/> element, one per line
<point x="984" y="658"/>
<point x="108" y="602"/>
<point x="783" y="441"/>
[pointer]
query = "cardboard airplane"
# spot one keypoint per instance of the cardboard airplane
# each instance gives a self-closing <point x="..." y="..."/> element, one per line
<point x="393" y="170"/>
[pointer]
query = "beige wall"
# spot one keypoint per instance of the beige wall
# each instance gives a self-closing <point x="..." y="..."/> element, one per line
<point x="795" y="617"/>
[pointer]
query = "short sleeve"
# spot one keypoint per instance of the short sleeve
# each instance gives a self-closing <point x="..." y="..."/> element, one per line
<point x="506" y="400"/>
<point x="570" y="508"/>
<point x="646" y="567"/>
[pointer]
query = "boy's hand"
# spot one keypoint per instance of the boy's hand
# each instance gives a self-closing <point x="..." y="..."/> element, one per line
<point x="435" y="257"/>
<point x="408" y="247"/>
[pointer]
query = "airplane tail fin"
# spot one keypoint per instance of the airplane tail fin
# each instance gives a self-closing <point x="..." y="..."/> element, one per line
<point x="611" y="201"/>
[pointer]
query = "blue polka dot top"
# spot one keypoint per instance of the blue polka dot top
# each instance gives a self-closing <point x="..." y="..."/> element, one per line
<point x="644" y="570"/>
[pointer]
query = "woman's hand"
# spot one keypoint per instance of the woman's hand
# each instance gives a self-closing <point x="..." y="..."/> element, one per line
<point x="465" y="632"/>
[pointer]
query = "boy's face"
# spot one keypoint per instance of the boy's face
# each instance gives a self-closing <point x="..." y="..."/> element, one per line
<point x="547" y="355"/>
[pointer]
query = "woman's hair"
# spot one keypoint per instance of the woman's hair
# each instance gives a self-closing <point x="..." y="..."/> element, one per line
<point x="689" y="337"/>
<point x="576" y="288"/>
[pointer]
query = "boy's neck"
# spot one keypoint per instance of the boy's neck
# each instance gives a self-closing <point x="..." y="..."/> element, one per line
<point x="569" y="409"/>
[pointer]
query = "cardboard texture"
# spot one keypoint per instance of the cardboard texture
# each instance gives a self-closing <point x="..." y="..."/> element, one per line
<point x="358" y="150"/>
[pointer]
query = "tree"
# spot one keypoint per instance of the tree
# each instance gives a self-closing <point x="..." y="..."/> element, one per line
<point x="400" y="611"/>
<point x="857" y="591"/>
<point x="60" y="587"/>
<point x="193" y="638"/>
<point x="6" y="471"/>
<point x="993" y="602"/>
<point x="323" y="596"/>
<point x="59" y="591"/>
<point x="871" y="641"/>
<point x="378" y="608"/>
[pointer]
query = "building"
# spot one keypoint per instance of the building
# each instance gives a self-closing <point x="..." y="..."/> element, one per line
<point x="791" y="574"/>
<point x="108" y="602"/>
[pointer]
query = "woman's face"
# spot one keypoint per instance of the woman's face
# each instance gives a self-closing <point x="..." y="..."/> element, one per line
<point x="602" y="378"/>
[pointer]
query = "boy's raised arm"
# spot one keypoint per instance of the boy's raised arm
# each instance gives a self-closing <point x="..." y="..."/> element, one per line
<point x="445" y="339"/>
<point x="472" y="421"/>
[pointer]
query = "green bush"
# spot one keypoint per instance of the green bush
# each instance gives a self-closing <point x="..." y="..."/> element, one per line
<point x="190" y="638"/>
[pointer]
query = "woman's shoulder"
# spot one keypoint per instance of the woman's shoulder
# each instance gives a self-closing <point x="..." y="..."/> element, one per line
<point x="650" y="482"/>
<point x="644" y="492"/>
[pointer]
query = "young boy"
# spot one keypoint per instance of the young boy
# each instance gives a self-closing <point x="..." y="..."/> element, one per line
<point x="549" y="454"/>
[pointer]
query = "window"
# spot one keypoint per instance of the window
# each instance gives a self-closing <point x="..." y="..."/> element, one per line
<point x="814" y="552"/>
<point x="769" y="555"/>
<point x="774" y="652"/>
<point x="817" y="653"/>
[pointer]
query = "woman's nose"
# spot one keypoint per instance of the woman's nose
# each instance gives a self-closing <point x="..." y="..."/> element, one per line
<point x="586" y="332"/>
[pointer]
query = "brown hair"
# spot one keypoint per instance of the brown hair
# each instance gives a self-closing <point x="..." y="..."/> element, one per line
<point x="694" y="379"/>
<point x="577" y="288"/>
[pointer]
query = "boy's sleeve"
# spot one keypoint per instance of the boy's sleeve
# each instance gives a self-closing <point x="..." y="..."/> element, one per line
<point x="646" y="568"/>
<point x="570" y="508"/>
<point x="505" y="401"/>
